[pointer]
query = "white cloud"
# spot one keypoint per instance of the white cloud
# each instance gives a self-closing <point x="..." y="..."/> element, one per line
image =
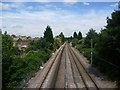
<point x="6" y="6"/>
<point x="60" y="0"/>
<point x="34" y="23"/>
<point x="74" y="1"/>
<point x="114" y="5"/>
<point x="30" y="7"/>
<point x="16" y="26"/>
<point x="86" y="3"/>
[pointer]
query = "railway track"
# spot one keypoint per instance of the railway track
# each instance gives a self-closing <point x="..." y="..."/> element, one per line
<point x="64" y="70"/>
<point x="89" y="82"/>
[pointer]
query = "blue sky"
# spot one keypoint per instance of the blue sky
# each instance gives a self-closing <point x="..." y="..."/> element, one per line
<point x="31" y="18"/>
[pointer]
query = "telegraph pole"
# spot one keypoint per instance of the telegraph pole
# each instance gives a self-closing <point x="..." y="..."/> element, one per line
<point x="91" y="50"/>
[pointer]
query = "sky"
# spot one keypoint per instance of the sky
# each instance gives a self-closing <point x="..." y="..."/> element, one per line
<point x="31" y="18"/>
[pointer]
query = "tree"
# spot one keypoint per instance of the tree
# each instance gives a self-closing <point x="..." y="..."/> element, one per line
<point x="0" y="32"/>
<point x="7" y="53"/>
<point x="79" y="35"/>
<point x="69" y="39"/>
<point x="110" y="39"/>
<point x="108" y="47"/>
<point x="74" y="42"/>
<point x="91" y="35"/>
<point x="75" y="35"/>
<point x="15" y="68"/>
<point x="0" y="40"/>
<point x="119" y="5"/>
<point x="62" y="37"/>
<point x="5" y="33"/>
<point x="48" y="35"/>
<point x="0" y="54"/>
<point x="44" y="43"/>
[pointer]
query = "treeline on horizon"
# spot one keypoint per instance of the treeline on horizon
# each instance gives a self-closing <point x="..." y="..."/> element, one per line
<point x="105" y="48"/>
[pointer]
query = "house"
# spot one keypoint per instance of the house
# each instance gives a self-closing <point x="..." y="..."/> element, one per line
<point x="22" y="41"/>
<point x="25" y="43"/>
<point x="17" y="42"/>
<point x="22" y="37"/>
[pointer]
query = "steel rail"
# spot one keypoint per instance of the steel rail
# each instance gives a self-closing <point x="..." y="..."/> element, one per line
<point x="51" y="64"/>
<point x="75" y="56"/>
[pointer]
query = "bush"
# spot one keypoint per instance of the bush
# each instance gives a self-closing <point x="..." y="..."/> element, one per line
<point x="87" y="52"/>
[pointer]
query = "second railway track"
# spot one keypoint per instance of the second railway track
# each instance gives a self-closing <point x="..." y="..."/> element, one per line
<point x="89" y="82"/>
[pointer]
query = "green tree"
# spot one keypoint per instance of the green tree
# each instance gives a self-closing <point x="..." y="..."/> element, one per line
<point x="7" y="53"/>
<point x="48" y="35"/>
<point x="69" y="39"/>
<point x="15" y="68"/>
<point x="119" y="6"/>
<point x="91" y="35"/>
<point x="0" y="32"/>
<point x="0" y="55"/>
<point x="57" y="43"/>
<point x="62" y="37"/>
<point x="0" y="41"/>
<point x="79" y="35"/>
<point x="75" y="35"/>
<point x="43" y="44"/>
<point x="48" y="38"/>
<point x="110" y="39"/>
<point x="108" y="47"/>
<point x="5" y="33"/>
<point x="74" y="42"/>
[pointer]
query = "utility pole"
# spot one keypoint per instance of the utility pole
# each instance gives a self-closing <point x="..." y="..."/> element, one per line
<point x="91" y="49"/>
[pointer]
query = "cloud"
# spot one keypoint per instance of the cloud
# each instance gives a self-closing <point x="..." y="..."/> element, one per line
<point x="70" y="1"/>
<point x="86" y="3"/>
<point x="16" y="26"/>
<point x="30" y="7"/>
<point x="34" y="23"/>
<point x="114" y="5"/>
<point x="6" y="6"/>
<point x="60" y="0"/>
